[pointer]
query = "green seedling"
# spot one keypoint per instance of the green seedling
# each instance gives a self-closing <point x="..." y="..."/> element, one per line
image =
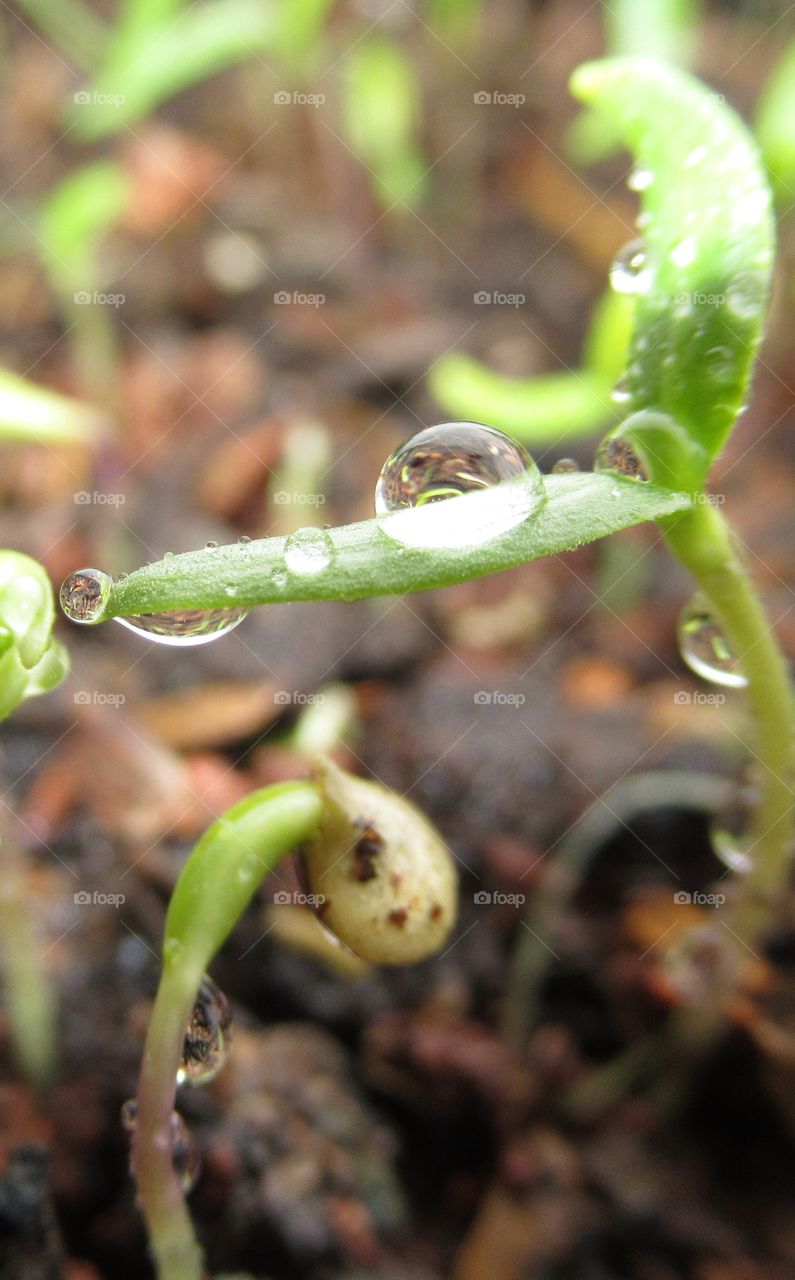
<point x="387" y="886"/>
<point x="552" y="407"/>
<point x="381" y="113"/>
<point x="30" y="414"/>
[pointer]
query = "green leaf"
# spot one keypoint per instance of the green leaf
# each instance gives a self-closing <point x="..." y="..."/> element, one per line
<point x="200" y="42"/>
<point x="550" y="408"/>
<point x="773" y="124"/>
<point x="71" y="26"/>
<point x="31" y="661"/>
<point x="368" y="562"/>
<point x="299" y="28"/>
<point x="709" y="238"/>
<point x="382" y="113"/>
<point x="74" y="219"/>
<point x="36" y="416"/>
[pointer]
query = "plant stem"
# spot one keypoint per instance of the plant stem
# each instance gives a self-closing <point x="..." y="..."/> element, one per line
<point x="74" y="29"/>
<point x="703" y="542"/>
<point x="217" y="882"/>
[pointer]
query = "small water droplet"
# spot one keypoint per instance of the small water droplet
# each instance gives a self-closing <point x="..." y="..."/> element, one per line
<point x="621" y="393"/>
<point x="211" y="546"/>
<point x="744" y="296"/>
<point x="244" y="539"/>
<point x="643" y="219"/>
<point x="640" y="179"/>
<point x="168" y="555"/>
<point x="495" y="483"/>
<point x="207" y="1038"/>
<point x="617" y="454"/>
<point x="308" y="551"/>
<point x="84" y="594"/>
<point x="695" y="156"/>
<point x="185" y="1157"/>
<point x="279" y="578"/>
<point x="630" y="271"/>
<point x="683" y="254"/>
<point x="704" y="647"/>
<point x="185" y="627"/>
<point x="729" y="829"/>
<point x="565" y="466"/>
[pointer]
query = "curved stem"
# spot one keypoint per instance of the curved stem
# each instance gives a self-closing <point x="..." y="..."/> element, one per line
<point x="703" y="542"/>
<point x="215" y="886"/>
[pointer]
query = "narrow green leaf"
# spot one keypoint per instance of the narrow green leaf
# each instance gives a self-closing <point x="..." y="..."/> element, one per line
<point x="36" y="416"/>
<point x="74" y="219"/>
<point x="368" y="562"/>
<point x="200" y="42"/>
<point x="549" y="408"/>
<point x="709" y="238"/>
<point x="382" y="112"/>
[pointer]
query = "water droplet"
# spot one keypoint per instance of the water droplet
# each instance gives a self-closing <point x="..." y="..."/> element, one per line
<point x="617" y="454"/>
<point x="630" y="272"/>
<point x="211" y="546"/>
<point x="185" y="627"/>
<point x="185" y="1157"/>
<point x="244" y="539"/>
<point x="640" y="179"/>
<point x="729" y="829"/>
<point x="495" y="483"/>
<point x="565" y="466"/>
<point x="744" y="296"/>
<point x="207" y="1038"/>
<point x="84" y="594"/>
<point x="168" y="555"/>
<point x="704" y="648"/>
<point x="621" y="393"/>
<point x="308" y="551"/>
<point x="279" y="578"/>
<point x="684" y="253"/>
<point x="719" y="362"/>
<point x="695" y="156"/>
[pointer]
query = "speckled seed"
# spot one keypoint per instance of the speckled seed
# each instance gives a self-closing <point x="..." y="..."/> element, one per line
<point x="386" y="876"/>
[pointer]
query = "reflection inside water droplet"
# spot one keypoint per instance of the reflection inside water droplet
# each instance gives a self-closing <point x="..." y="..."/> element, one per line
<point x="618" y="455"/>
<point x="308" y="551"/>
<point x="630" y="272"/>
<point x="184" y="628"/>
<point x="84" y="594"/>
<point x="704" y="647"/>
<point x="207" y="1038"/>
<point x="495" y="483"/>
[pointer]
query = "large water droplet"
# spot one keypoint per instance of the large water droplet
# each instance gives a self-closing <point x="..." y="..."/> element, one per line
<point x="207" y="1038"/>
<point x="84" y="594"/>
<point x="617" y="454"/>
<point x="184" y="627"/>
<point x="184" y="1155"/>
<point x="630" y="272"/>
<point x="308" y="551"/>
<point x="495" y="483"/>
<point x="704" y="647"/>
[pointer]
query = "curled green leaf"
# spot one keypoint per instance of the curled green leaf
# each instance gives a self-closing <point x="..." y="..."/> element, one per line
<point x="708" y="233"/>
